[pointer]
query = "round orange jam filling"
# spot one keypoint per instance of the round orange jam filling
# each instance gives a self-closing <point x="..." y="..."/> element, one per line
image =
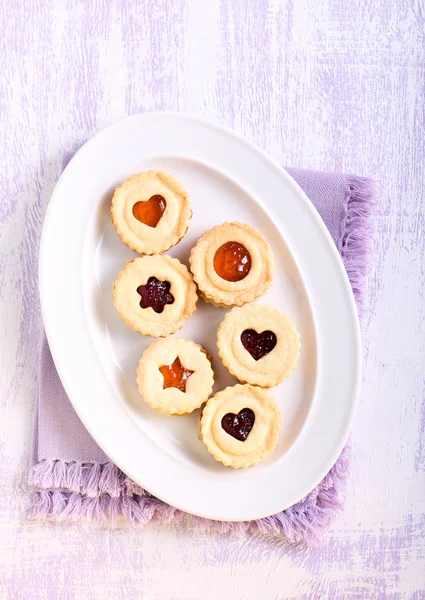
<point x="232" y="261"/>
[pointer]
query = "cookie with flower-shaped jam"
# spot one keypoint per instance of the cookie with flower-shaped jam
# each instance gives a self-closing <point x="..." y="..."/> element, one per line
<point x="155" y="295"/>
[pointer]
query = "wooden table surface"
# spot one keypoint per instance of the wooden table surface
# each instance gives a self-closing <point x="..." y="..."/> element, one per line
<point x="325" y="84"/>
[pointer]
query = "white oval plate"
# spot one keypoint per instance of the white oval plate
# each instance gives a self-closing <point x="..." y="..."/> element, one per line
<point x="228" y="178"/>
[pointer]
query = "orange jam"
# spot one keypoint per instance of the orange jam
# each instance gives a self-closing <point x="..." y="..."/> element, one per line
<point x="150" y="211"/>
<point x="175" y="375"/>
<point x="232" y="261"/>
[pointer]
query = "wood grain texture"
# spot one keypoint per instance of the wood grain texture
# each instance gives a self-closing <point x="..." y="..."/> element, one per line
<point x="317" y="83"/>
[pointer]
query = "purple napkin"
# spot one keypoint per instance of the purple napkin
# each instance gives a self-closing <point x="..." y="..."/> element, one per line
<point x="73" y="479"/>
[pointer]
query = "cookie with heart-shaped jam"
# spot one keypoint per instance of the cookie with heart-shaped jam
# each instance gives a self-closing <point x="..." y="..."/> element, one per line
<point x="240" y="426"/>
<point x="151" y="212"/>
<point x="258" y="344"/>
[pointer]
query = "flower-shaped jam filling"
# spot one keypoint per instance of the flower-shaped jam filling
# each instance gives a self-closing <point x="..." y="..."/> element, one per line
<point x="175" y="375"/>
<point x="232" y="261"/>
<point x="150" y="211"/>
<point x="239" y="426"/>
<point x="155" y="294"/>
<point x="258" y="344"/>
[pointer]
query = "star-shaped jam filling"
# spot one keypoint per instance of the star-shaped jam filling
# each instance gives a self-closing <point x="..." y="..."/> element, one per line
<point x="175" y="375"/>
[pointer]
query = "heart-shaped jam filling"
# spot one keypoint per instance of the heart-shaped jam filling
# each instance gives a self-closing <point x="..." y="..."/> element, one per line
<point x="258" y="344"/>
<point x="150" y="211"/>
<point x="232" y="261"/>
<point x="239" y="426"/>
<point x="155" y="294"/>
<point x="175" y="375"/>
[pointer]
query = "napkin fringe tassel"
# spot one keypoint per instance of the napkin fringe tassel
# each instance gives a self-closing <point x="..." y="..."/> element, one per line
<point x="89" y="479"/>
<point x="303" y="522"/>
<point x="359" y="229"/>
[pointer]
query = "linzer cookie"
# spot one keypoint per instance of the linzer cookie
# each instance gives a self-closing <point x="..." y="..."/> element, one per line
<point x="174" y="376"/>
<point x="258" y="345"/>
<point x="151" y="212"/>
<point x="232" y="264"/>
<point x="240" y="426"/>
<point x="155" y="295"/>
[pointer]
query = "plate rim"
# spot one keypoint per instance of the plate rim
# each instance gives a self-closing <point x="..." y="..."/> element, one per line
<point x="43" y="274"/>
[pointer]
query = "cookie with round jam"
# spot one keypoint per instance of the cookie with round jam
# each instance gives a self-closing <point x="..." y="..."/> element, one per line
<point x="232" y="264"/>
